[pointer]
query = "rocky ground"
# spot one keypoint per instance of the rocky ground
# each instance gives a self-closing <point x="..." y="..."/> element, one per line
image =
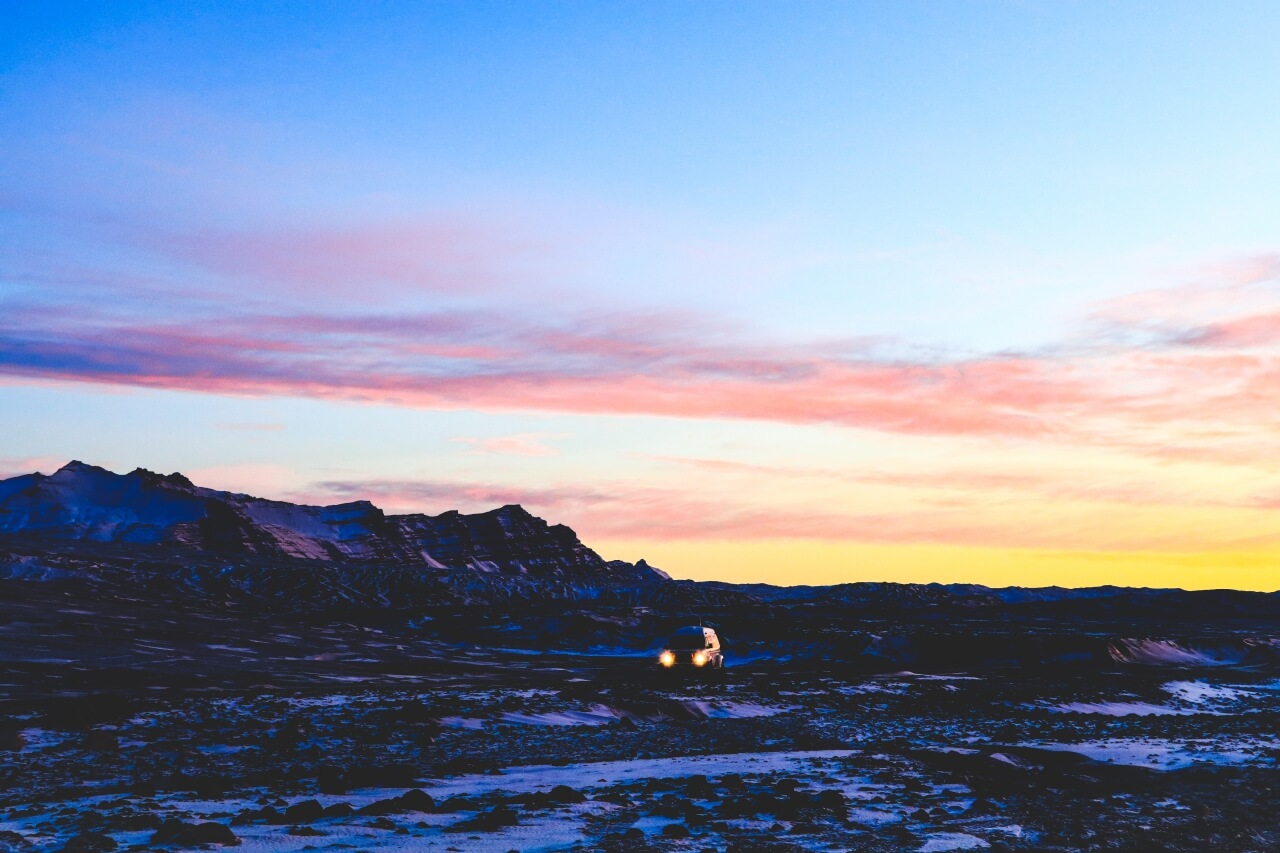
<point x="182" y="668"/>
<point x="567" y="752"/>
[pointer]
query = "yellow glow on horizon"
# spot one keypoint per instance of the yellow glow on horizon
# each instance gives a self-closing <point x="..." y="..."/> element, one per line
<point x="818" y="562"/>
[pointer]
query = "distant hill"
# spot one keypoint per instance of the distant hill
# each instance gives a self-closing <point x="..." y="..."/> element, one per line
<point x="145" y="534"/>
<point x="86" y="503"/>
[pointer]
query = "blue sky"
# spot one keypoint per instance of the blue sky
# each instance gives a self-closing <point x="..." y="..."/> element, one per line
<point x="623" y="234"/>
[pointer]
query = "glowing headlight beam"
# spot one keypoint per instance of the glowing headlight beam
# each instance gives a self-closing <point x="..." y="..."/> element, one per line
<point x="667" y="659"/>
<point x="699" y="659"/>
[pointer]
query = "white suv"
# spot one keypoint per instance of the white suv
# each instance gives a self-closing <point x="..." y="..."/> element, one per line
<point x="692" y="646"/>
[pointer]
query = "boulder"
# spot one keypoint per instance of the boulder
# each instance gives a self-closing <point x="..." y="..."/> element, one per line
<point x="698" y="788"/>
<point x="306" y="811"/>
<point x="179" y="834"/>
<point x="831" y="800"/>
<point x="565" y="794"/>
<point x="90" y="842"/>
<point x="418" y="800"/>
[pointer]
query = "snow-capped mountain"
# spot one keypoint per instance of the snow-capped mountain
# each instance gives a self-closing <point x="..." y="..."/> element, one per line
<point x="81" y="502"/>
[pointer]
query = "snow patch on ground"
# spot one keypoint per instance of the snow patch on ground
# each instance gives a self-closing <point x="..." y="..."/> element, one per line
<point x="544" y="777"/>
<point x="1162" y="754"/>
<point x="1201" y="693"/>
<point x="946" y="841"/>
<point x="1124" y="709"/>
<point x="598" y="716"/>
<point x="1169" y="653"/>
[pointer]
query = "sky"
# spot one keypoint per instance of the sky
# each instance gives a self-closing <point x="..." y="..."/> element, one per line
<point x="810" y="292"/>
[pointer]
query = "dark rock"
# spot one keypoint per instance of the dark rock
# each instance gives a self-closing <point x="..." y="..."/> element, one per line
<point x="417" y="800"/>
<point x="457" y="804"/>
<point x="535" y="800"/>
<point x="175" y="832"/>
<point x="306" y="811"/>
<point x="330" y="780"/>
<point x="565" y="794"/>
<point x="902" y="836"/>
<point x="831" y="800"/>
<point x="12" y="842"/>
<point x="785" y="786"/>
<point x="211" y="787"/>
<point x="102" y="740"/>
<point x="90" y="842"/>
<point x="213" y="833"/>
<point x="12" y="740"/>
<point x="309" y="831"/>
<point x="380" y="776"/>
<point x="982" y="808"/>
<point x="144" y="787"/>
<point x="464" y="764"/>
<point x="391" y="805"/>
<point x="273" y="816"/>
<point x="498" y="817"/>
<point x="675" y="830"/>
<point x="698" y="788"/>
<point x="339" y="810"/>
<point x="669" y="805"/>
<point x="732" y="781"/>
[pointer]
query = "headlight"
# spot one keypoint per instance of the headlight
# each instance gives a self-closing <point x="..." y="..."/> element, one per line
<point x="700" y="658"/>
<point x="666" y="659"/>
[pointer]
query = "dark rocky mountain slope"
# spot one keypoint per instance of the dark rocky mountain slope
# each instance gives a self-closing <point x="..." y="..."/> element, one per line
<point x="86" y="503"/>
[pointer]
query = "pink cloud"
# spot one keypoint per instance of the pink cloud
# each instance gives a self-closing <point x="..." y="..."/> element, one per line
<point x="1219" y="375"/>
<point x="425" y="255"/>
<point x="521" y="444"/>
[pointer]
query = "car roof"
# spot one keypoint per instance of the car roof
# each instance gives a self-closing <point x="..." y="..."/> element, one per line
<point x="693" y="629"/>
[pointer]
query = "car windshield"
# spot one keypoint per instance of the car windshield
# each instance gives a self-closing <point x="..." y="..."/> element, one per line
<point x="687" y="641"/>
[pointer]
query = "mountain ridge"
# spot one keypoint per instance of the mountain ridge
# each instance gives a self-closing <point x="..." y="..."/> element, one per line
<point x="83" y="502"/>
<point x="204" y="542"/>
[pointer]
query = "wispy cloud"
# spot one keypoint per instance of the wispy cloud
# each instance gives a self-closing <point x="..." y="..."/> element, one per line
<point x="423" y="255"/>
<point x="520" y="444"/>
<point x="1138" y="373"/>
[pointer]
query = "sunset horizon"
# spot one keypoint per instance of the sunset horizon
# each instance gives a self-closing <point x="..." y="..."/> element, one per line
<point x="874" y="292"/>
